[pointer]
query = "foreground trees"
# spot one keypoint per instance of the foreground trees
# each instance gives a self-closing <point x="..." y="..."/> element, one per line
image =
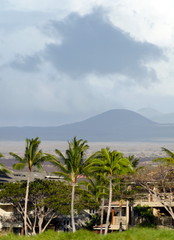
<point x="39" y="202"/>
<point x="96" y="186"/>
<point x="47" y="200"/>
<point x="70" y="166"/>
<point x="33" y="157"/>
<point x="112" y="164"/>
<point x="158" y="180"/>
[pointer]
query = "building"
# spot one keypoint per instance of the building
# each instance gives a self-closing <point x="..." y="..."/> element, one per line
<point x="124" y="213"/>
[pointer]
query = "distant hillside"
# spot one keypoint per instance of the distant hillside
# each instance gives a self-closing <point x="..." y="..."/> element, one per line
<point x="113" y="125"/>
<point x="156" y="116"/>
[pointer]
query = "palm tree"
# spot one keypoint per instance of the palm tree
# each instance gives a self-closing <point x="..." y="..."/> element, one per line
<point x="33" y="157"/>
<point x="3" y="169"/>
<point x="134" y="161"/>
<point x="96" y="185"/>
<point x="113" y="164"/>
<point x="167" y="160"/>
<point x="70" y="165"/>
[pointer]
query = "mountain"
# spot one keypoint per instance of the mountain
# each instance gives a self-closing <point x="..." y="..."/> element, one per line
<point x="113" y="125"/>
<point x="156" y="116"/>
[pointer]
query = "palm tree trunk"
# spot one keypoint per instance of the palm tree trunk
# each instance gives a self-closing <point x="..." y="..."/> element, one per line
<point x="109" y="205"/>
<point x="26" y="204"/>
<point x="120" y="227"/>
<point x="72" y="207"/>
<point x="102" y="215"/>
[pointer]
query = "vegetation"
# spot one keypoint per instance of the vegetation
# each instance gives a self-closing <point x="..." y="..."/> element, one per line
<point x="3" y="169"/>
<point x="145" y="214"/>
<point x="96" y="186"/>
<point x="70" y="166"/>
<point x="33" y="157"/>
<point x="108" y="176"/>
<point x="112" y="164"/>
<point x="158" y="180"/>
<point x="48" y="199"/>
<point x="132" y="234"/>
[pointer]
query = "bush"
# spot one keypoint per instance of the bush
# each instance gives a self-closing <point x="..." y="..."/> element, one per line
<point x="145" y="215"/>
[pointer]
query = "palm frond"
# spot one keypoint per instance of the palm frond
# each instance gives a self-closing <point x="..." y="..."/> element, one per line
<point x="168" y="152"/>
<point x="60" y="154"/>
<point x="166" y="160"/>
<point x="4" y="169"/>
<point x="17" y="157"/>
<point x="18" y="166"/>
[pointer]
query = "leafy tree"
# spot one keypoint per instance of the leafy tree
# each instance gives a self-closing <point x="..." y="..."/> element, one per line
<point x="145" y="213"/>
<point x="70" y="165"/>
<point x="33" y="157"/>
<point x="14" y="193"/>
<point x="84" y="200"/>
<point x="158" y="182"/>
<point x="97" y="186"/>
<point x="113" y="164"/>
<point x="47" y="200"/>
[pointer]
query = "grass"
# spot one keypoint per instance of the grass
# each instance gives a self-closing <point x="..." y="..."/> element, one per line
<point x="132" y="234"/>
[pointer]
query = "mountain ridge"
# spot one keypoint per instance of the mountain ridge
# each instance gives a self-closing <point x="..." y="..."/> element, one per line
<point x="112" y="125"/>
<point x="154" y="115"/>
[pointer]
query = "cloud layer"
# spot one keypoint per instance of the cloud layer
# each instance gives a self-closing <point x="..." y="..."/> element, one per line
<point x="62" y="64"/>
<point x="92" y="44"/>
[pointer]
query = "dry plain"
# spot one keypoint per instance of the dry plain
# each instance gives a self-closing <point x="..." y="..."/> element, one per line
<point x="143" y="150"/>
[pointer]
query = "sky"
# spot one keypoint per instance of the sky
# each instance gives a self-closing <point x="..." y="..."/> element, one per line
<point x="65" y="61"/>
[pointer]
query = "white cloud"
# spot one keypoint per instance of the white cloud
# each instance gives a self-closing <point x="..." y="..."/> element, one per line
<point x="151" y="21"/>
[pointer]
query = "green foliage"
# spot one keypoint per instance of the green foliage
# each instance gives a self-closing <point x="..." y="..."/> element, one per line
<point x="46" y="196"/>
<point x="146" y="215"/>
<point x="132" y="234"/>
<point x="3" y="169"/>
<point x="112" y="163"/>
<point x="96" y="186"/>
<point x="70" y="166"/>
<point x="95" y="220"/>
<point x="134" y="161"/>
<point x="72" y="163"/>
<point x="12" y="191"/>
<point x="84" y="200"/>
<point x="51" y="194"/>
<point x="168" y="160"/>
<point x="32" y="157"/>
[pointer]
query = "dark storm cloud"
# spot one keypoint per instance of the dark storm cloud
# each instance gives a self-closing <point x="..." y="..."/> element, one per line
<point x="92" y="44"/>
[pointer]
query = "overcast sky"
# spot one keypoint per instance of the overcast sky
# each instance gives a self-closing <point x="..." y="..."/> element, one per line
<point x="64" y="61"/>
